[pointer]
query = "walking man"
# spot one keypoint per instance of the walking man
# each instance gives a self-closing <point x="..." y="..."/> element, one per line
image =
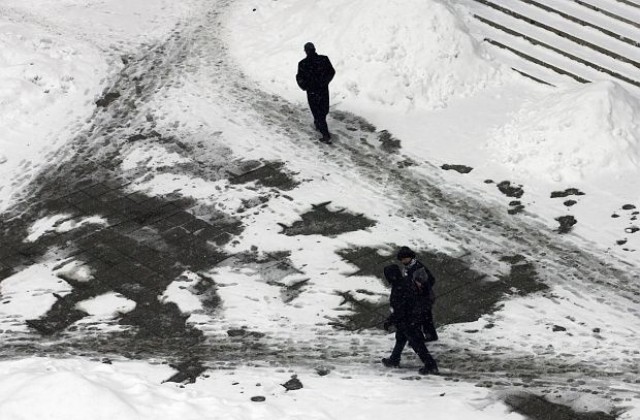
<point x="407" y="317"/>
<point x="419" y="275"/>
<point x="314" y="75"/>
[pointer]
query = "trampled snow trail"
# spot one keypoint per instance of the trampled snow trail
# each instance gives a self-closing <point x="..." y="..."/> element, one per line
<point x="193" y="66"/>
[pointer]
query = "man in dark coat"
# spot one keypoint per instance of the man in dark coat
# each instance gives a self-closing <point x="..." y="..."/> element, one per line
<point x="314" y="74"/>
<point x="406" y="317"/>
<point x="418" y="274"/>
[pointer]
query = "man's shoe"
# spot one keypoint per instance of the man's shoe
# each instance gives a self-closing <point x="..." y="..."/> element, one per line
<point x="429" y="370"/>
<point x="326" y="138"/>
<point x="390" y="363"/>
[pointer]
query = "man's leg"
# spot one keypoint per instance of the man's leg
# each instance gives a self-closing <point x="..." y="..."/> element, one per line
<point x="319" y="111"/>
<point x="324" y="109"/>
<point x="396" y="354"/>
<point x="416" y="341"/>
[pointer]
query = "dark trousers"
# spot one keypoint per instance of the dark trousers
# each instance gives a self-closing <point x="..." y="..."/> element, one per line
<point x="319" y="104"/>
<point x="411" y="333"/>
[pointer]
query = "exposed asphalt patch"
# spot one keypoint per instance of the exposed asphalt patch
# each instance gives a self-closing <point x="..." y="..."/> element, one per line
<point x="148" y="243"/>
<point x="566" y="223"/>
<point x="463" y="169"/>
<point x="388" y="143"/>
<point x="538" y="408"/>
<point x="107" y="99"/>
<point x="268" y="174"/>
<point x="566" y="193"/>
<point x="353" y="121"/>
<point x="273" y="268"/>
<point x="322" y="221"/>
<point x="188" y="371"/>
<point x="463" y="294"/>
<point x="514" y="191"/>
<point x="515" y="207"/>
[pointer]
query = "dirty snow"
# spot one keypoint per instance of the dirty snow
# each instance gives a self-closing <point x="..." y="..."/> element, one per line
<point x="415" y="71"/>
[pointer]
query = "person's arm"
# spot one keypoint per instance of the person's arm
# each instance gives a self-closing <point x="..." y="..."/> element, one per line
<point x="423" y="279"/>
<point x="300" y="78"/>
<point x="330" y="71"/>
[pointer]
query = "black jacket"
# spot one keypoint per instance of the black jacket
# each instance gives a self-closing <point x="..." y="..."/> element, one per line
<point x="314" y="73"/>
<point x="421" y="278"/>
<point x="403" y="299"/>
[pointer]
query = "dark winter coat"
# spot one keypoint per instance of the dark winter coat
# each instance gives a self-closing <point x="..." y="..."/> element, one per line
<point x="403" y="298"/>
<point x="422" y="281"/>
<point x="314" y="73"/>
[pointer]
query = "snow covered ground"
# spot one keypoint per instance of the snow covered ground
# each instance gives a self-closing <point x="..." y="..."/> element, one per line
<point x="449" y="102"/>
<point x="408" y="67"/>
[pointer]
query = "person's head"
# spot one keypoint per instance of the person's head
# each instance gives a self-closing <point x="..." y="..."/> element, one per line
<point x="309" y="48"/>
<point x="405" y="255"/>
<point x="392" y="273"/>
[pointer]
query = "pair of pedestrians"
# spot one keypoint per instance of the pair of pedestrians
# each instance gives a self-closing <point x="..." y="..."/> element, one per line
<point x="411" y="302"/>
<point x="412" y="295"/>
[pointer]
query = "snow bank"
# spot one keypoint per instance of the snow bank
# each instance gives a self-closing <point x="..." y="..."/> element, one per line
<point x="72" y="389"/>
<point x="574" y="134"/>
<point x="390" y="53"/>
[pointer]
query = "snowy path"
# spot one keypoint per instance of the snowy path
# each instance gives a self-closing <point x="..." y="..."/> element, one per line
<point x="187" y="94"/>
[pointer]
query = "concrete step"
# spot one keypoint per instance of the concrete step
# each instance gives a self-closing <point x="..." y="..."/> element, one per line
<point x="584" y="69"/>
<point x="562" y="39"/>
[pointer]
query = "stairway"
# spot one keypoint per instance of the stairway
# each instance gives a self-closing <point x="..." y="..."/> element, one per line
<point x="560" y="41"/>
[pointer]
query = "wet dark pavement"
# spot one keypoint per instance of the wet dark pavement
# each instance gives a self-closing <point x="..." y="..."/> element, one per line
<point x="149" y="241"/>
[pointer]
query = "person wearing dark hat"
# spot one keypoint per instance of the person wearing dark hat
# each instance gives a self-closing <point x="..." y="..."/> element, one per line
<point x="403" y="301"/>
<point x="314" y="75"/>
<point x="418" y="274"/>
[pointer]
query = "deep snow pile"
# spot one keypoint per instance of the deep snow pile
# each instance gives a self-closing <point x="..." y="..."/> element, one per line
<point x="73" y="389"/>
<point x="585" y="132"/>
<point x="401" y="54"/>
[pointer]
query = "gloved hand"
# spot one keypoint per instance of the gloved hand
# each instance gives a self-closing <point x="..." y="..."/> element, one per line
<point x="386" y="325"/>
